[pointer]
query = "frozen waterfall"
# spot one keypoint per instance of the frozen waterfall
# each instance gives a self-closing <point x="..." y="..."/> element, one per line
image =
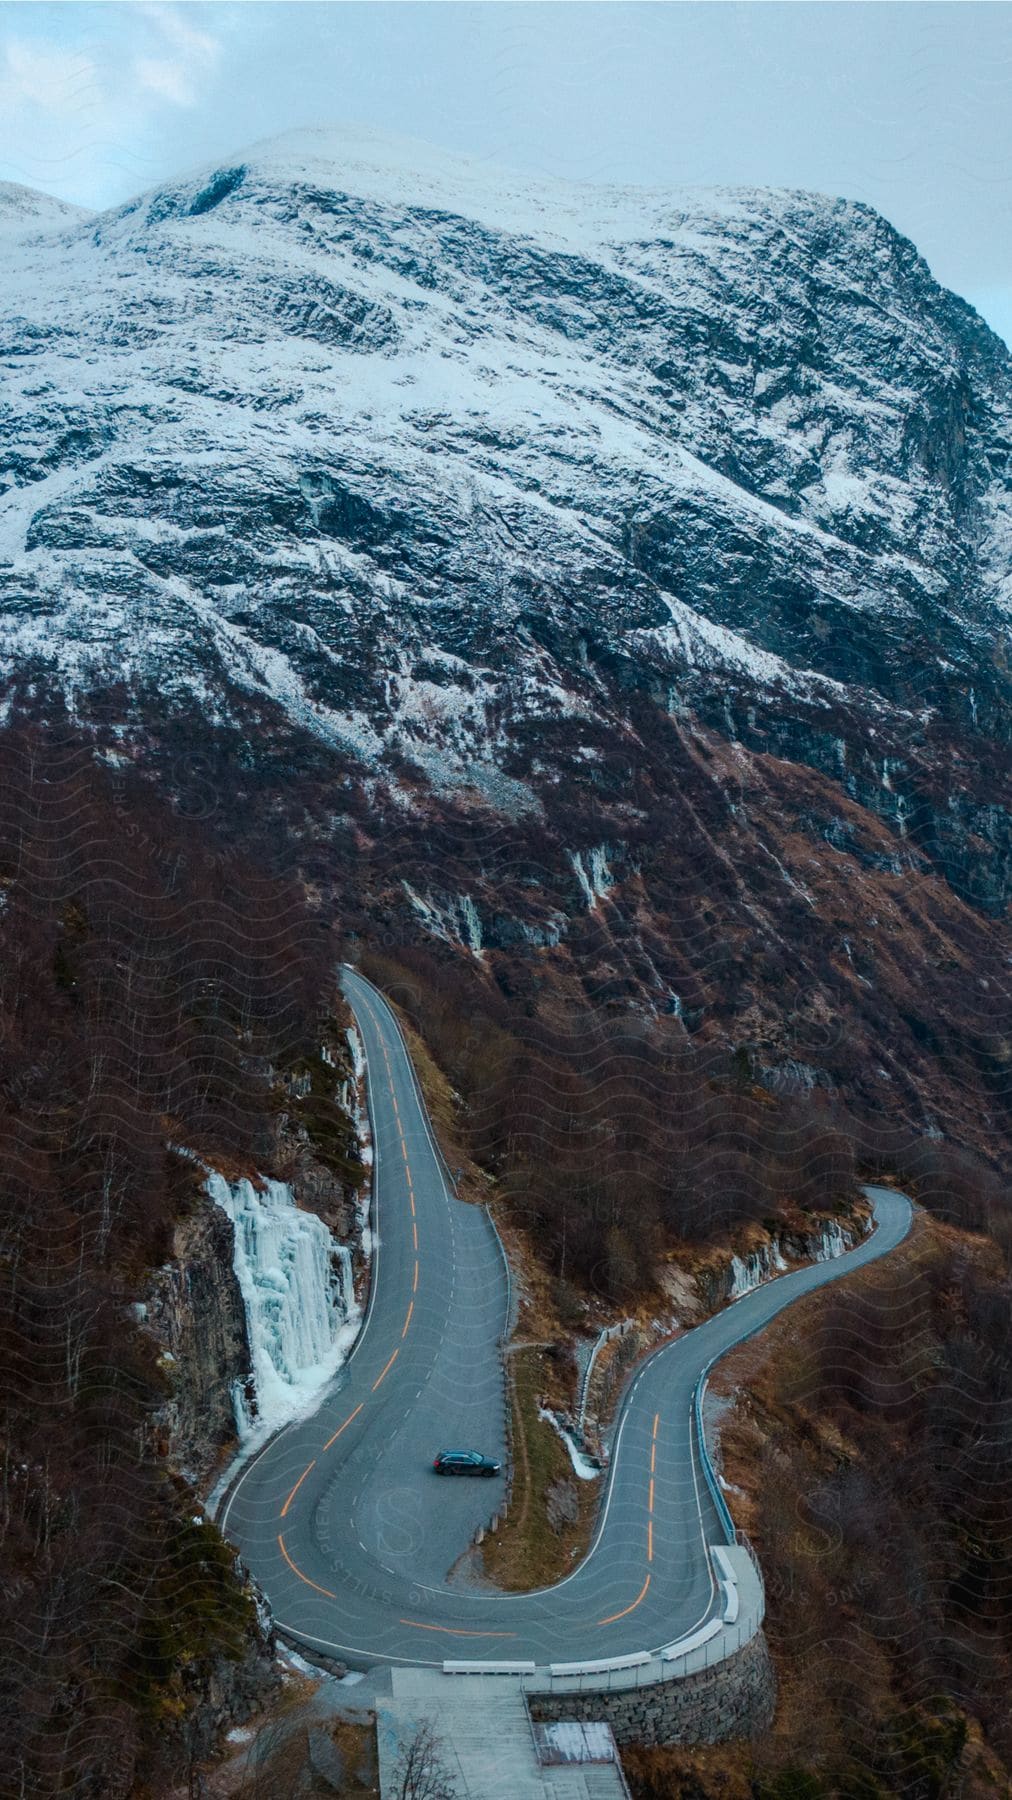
<point x="296" y="1286"/>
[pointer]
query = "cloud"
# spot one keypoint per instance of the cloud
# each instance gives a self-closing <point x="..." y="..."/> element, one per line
<point x="44" y="76"/>
<point x="89" y="93"/>
<point x="192" y="57"/>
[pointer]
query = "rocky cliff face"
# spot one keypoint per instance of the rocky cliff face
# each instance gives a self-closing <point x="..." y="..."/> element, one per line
<point x="196" y="1309"/>
<point x="538" y="525"/>
<point x="196" y="1304"/>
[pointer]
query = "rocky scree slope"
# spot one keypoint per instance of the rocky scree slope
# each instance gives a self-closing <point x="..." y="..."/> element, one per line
<point x="638" y="562"/>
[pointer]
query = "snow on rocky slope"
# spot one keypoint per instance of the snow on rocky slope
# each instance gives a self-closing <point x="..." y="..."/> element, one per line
<point x="341" y="422"/>
<point x="498" y="489"/>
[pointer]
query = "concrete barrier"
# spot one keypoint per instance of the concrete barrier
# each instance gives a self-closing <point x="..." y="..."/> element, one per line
<point x="724" y="1565"/>
<point x="682" y="1646"/>
<point x="635" y="1661"/>
<point x="489" y="1668"/>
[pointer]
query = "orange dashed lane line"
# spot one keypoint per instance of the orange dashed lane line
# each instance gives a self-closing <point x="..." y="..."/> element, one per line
<point x="454" y="1631"/>
<point x="414" y="1234"/>
<point x="414" y="1284"/>
<point x="297" y="1486"/>
<point x="385" y="1372"/>
<point x="407" y="1322"/>
<point x="298" y="1572"/>
<point x="344" y="1427"/>
<point x="650" y="1498"/>
<point x="626" y="1610"/>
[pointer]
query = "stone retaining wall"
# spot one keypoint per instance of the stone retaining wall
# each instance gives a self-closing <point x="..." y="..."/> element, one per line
<point x="734" y="1699"/>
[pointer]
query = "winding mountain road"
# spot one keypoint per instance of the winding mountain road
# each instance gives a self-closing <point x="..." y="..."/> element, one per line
<point x="341" y="1518"/>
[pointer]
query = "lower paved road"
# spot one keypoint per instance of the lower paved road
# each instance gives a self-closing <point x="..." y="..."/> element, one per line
<point x="341" y="1518"/>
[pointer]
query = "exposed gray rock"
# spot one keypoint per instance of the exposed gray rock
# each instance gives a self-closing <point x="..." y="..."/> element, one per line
<point x="424" y="456"/>
<point x="196" y="1311"/>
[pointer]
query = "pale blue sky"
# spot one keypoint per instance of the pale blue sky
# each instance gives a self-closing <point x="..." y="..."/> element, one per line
<point x="907" y="106"/>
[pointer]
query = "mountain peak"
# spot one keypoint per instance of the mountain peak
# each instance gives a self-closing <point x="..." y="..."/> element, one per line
<point x="25" y="209"/>
<point x="569" y="216"/>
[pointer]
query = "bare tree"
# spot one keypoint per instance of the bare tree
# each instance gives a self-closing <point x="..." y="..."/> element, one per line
<point x="277" y="1762"/>
<point x="421" y="1773"/>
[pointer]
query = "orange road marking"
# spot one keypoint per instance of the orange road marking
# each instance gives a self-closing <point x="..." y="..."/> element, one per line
<point x="610" y="1620"/>
<point x="414" y="1233"/>
<point x="414" y="1284"/>
<point x="383" y="1376"/>
<point x="650" y="1502"/>
<point x="453" y="1630"/>
<point x="650" y="1540"/>
<point x="657" y="1420"/>
<point x="344" y="1427"/>
<point x="412" y="1199"/>
<point x="407" y="1322"/>
<point x="298" y="1572"/>
<point x="297" y="1486"/>
<point x="653" y="1457"/>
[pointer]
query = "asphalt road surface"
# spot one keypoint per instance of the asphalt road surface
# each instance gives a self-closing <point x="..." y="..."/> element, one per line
<point x="341" y="1517"/>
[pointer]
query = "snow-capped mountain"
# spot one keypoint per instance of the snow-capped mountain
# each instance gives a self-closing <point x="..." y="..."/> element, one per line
<point x="499" y="490"/>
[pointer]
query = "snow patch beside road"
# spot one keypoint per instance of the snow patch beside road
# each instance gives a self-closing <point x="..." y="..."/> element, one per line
<point x="582" y="1464"/>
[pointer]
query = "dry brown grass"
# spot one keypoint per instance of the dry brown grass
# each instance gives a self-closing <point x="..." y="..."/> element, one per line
<point x="526" y="1552"/>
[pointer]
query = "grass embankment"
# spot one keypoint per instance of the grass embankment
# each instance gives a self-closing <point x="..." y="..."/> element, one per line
<point x="528" y="1551"/>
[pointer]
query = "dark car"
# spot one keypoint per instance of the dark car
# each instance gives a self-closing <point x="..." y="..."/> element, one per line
<point x="465" y="1462"/>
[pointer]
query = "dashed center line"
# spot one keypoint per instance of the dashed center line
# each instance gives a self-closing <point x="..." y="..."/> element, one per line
<point x="298" y="1572"/>
<point x="455" y="1631"/>
<point x="297" y="1486"/>
<point x="384" y="1372"/>
<point x="344" y="1427"/>
<point x="626" y="1610"/>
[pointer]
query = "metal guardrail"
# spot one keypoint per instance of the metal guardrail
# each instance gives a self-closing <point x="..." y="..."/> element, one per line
<point x="504" y="1338"/>
<point x="510" y="1321"/>
<point x="605" y="1336"/>
<point x="709" y="1472"/>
